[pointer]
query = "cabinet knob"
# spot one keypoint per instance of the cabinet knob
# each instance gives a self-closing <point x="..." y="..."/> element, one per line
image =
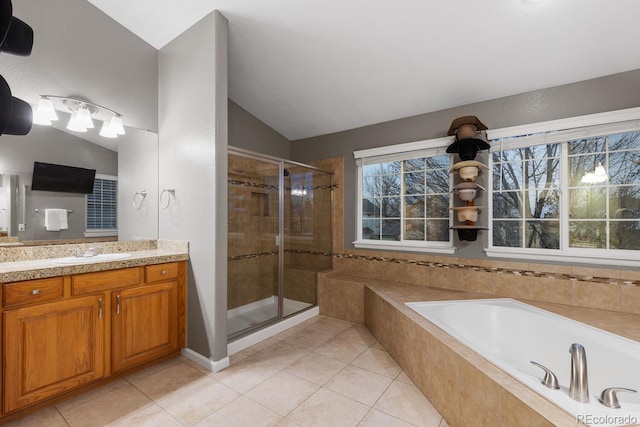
<point x="35" y="292"/>
<point x="164" y="272"/>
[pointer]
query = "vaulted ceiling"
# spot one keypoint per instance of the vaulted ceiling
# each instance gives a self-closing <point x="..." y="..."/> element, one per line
<point x="312" y="67"/>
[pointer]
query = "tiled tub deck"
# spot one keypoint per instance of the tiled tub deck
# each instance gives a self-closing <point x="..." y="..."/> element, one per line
<point x="465" y="388"/>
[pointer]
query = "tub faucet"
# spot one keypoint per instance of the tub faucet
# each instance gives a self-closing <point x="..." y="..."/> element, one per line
<point x="579" y="383"/>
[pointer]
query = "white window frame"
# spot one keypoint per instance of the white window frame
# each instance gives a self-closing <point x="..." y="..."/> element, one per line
<point x="107" y="232"/>
<point x="398" y="152"/>
<point x="561" y="131"/>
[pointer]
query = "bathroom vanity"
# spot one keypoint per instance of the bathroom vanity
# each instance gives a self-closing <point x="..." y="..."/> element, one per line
<point x="92" y="322"/>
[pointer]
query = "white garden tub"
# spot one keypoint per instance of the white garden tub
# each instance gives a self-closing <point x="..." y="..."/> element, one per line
<point x="510" y="334"/>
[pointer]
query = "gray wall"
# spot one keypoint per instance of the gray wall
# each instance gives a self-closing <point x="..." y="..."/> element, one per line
<point x="192" y="157"/>
<point x="50" y="145"/>
<point x="608" y="93"/>
<point x="246" y="131"/>
<point x="79" y="51"/>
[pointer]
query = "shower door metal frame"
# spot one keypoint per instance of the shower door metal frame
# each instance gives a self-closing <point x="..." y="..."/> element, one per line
<point x="281" y="198"/>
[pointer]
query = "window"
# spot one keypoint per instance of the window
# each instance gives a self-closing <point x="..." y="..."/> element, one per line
<point x="571" y="194"/>
<point x="102" y="207"/>
<point x="403" y="196"/>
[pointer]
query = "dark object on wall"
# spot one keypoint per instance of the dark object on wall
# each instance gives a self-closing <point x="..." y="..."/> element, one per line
<point x="468" y="148"/>
<point x="16" y="116"/>
<point x="465" y="120"/>
<point x="16" y="37"/>
<point x="64" y="179"/>
<point x="467" y="233"/>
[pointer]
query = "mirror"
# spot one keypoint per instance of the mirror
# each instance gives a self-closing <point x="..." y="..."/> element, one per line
<point x="131" y="157"/>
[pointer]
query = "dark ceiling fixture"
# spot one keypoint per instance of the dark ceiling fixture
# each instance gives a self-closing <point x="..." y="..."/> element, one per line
<point x="16" y="38"/>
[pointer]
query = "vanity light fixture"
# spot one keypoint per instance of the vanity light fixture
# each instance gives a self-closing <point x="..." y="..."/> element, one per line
<point x="82" y="115"/>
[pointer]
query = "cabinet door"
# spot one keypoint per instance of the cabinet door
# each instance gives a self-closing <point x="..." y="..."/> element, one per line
<point x="52" y="348"/>
<point x="145" y="324"/>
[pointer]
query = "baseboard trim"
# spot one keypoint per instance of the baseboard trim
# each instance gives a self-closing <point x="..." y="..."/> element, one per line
<point x="205" y="362"/>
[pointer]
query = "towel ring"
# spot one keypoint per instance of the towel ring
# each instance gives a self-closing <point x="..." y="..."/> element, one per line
<point x="171" y="193"/>
<point x="143" y="195"/>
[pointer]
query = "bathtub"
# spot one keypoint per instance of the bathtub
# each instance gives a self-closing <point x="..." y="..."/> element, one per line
<point x="510" y="334"/>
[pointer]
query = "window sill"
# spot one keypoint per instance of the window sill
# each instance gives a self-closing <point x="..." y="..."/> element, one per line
<point x="611" y="258"/>
<point x="100" y="233"/>
<point x="403" y="246"/>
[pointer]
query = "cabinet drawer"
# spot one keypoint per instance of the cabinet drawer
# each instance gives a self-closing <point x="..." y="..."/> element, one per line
<point x="32" y="291"/>
<point x="161" y="272"/>
<point x="89" y="283"/>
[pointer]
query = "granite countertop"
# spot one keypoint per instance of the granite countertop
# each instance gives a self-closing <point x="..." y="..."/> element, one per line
<point x="14" y="271"/>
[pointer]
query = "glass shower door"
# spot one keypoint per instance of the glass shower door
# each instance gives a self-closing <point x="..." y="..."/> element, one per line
<point x="254" y="242"/>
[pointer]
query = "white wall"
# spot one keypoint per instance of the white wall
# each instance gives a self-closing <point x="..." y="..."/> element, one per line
<point x="193" y="143"/>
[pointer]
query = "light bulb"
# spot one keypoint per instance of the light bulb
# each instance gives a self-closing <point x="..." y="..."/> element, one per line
<point x="44" y="113"/>
<point x="75" y="124"/>
<point x="84" y="117"/>
<point x="117" y="125"/>
<point x="107" y="131"/>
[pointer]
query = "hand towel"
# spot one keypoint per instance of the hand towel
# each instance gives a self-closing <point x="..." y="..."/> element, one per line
<point x="55" y="219"/>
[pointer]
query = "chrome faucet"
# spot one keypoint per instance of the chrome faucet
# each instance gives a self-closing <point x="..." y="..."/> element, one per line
<point x="579" y="383"/>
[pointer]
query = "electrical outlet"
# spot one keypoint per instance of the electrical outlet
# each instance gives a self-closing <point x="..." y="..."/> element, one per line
<point x="21" y="227"/>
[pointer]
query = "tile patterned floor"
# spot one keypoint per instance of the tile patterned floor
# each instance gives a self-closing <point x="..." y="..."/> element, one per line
<point x="324" y="372"/>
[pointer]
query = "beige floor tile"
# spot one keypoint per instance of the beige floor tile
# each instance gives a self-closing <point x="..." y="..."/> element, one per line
<point x="196" y="400"/>
<point x="359" y="384"/>
<point x="150" y="416"/>
<point x="358" y="334"/>
<point x="287" y="423"/>
<point x="330" y="326"/>
<point x="49" y="417"/>
<point x="283" y="392"/>
<point x="307" y="339"/>
<point x="316" y="368"/>
<point x="326" y="408"/>
<point x="340" y="349"/>
<point x="377" y="346"/>
<point x="84" y="397"/>
<point x="166" y="381"/>
<point x="279" y="354"/>
<point x="377" y="418"/>
<point x="107" y="408"/>
<point x="404" y="378"/>
<point x="155" y="368"/>
<point x="405" y="401"/>
<point x="378" y="361"/>
<point x="242" y="412"/>
<point x="443" y="423"/>
<point x="245" y="375"/>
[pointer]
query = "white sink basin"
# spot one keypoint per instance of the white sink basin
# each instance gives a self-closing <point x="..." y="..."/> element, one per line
<point x="88" y="259"/>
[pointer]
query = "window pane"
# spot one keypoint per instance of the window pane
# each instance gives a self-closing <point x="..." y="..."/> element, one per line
<point x="371" y="229"/>
<point x="624" y="141"/>
<point x="438" y="181"/>
<point x="371" y="208"/>
<point x="438" y="206"/>
<point x="414" y="207"/>
<point x="368" y="170"/>
<point x="390" y="185"/>
<point x="542" y="234"/>
<point x="509" y="174"/>
<point x="588" y="145"/>
<point x="587" y="203"/>
<point x="414" y="229"/>
<point x="414" y="165"/>
<point x="542" y="151"/>
<point x="624" y="167"/>
<point x="390" y="229"/>
<point x="507" y="204"/>
<point x="438" y="162"/>
<point x="542" y="174"/>
<point x="438" y="231"/>
<point x="543" y="204"/>
<point x="624" y="202"/>
<point x="587" y="234"/>
<point x="414" y="183"/>
<point x="507" y="234"/>
<point x="581" y="166"/>
<point x="371" y="186"/>
<point x="625" y="235"/>
<point x="515" y="154"/>
<point x="391" y="207"/>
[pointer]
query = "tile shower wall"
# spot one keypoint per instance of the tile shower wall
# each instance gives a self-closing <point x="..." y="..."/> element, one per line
<point x="603" y="288"/>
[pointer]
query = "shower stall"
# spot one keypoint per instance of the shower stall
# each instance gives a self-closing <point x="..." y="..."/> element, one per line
<point x="280" y="236"/>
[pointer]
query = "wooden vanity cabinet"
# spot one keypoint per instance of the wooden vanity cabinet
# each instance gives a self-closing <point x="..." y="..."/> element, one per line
<point x="62" y="333"/>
